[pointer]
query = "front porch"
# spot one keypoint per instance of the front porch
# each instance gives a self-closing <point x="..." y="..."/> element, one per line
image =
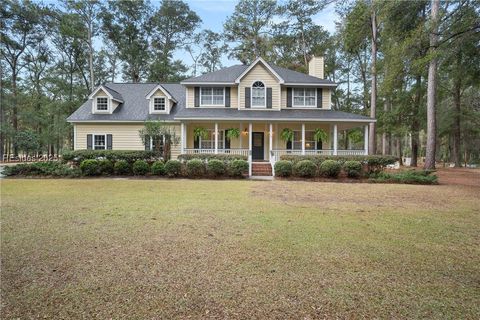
<point x="262" y="141"/>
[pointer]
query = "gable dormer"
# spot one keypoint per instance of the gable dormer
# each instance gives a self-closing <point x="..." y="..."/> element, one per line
<point x="160" y="101"/>
<point x="105" y="100"/>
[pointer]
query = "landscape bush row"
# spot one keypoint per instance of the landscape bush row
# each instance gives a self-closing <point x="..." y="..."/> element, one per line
<point x="207" y="157"/>
<point x="352" y="169"/>
<point x="78" y="156"/>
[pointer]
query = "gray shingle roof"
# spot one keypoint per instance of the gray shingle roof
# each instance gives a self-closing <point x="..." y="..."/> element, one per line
<point x="290" y="76"/>
<point x="227" y="75"/>
<point x="135" y="105"/>
<point x="116" y="95"/>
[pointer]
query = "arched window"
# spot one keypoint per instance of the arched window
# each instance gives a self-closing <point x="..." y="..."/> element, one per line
<point x="258" y="94"/>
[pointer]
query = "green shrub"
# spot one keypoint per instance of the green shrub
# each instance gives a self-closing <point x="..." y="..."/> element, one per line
<point x="140" y="168"/>
<point x="216" y="167"/>
<point x="304" y="168"/>
<point x="50" y="168"/>
<point x="330" y="168"/>
<point x="105" y="167"/>
<point x="173" y="168"/>
<point x="122" y="167"/>
<point x="208" y="156"/>
<point x="195" y="168"/>
<point x="407" y="177"/>
<point x="237" y="168"/>
<point x="353" y="169"/>
<point x="283" y="168"/>
<point x="130" y="156"/>
<point x="374" y="163"/>
<point x="89" y="167"/>
<point x="158" y="168"/>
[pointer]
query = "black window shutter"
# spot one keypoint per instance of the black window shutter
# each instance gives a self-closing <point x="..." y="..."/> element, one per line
<point x="247" y="97"/>
<point x="269" y="98"/>
<point x="289" y="97"/>
<point x="197" y="97"/>
<point x="319" y="97"/>
<point x="89" y="141"/>
<point x="196" y="143"/>
<point x="289" y="145"/>
<point x="227" y="140"/>
<point x="109" y="142"/>
<point x="147" y="142"/>
<point x="227" y="97"/>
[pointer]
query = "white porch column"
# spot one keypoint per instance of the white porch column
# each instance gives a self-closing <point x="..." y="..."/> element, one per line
<point x="241" y="136"/>
<point x="216" y="137"/>
<point x="250" y="149"/>
<point x="365" y="139"/>
<point x="182" y="141"/>
<point x="270" y="142"/>
<point x="335" y="140"/>
<point x="303" y="138"/>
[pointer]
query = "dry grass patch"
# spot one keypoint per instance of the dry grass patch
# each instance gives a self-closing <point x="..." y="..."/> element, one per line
<point x="238" y="249"/>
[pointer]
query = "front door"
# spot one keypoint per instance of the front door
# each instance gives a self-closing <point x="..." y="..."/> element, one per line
<point x="257" y="146"/>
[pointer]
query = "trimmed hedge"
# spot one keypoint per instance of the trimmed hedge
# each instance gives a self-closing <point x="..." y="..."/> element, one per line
<point x="353" y="169"/>
<point x="373" y="163"/>
<point x="122" y="167"/>
<point x="330" y="168"/>
<point x="158" y="168"/>
<point x="283" y="168"/>
<point x="50" y="168"/>
<point x="90" y="167"/>
<point x="304" y="168"/>
<point x="173" y="168"/>
<point x="407" y="177"/>
<point x="195" y="168"/>
<point x="216" y="167"/>
<point x="105" y="167"/>
<point x="140" y="168"/>
<point x="209" y="156"/>
<point x="237" y="168"/>
<point x="113" y="155"/>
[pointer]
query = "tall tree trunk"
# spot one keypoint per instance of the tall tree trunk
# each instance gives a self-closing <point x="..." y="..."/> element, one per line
<point x="15" y="112"/>
<point x="90" y="59"/>
<point x="415" y="128"/>
<point x="385" y="146"/>
<point x="456" y="121"/>
<point x="399" y="150"/>
<point x="373" y="95"/>
<point x="431" y="89"/>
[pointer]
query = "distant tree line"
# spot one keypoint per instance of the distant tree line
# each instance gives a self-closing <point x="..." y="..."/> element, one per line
<point x="414" y="65"/>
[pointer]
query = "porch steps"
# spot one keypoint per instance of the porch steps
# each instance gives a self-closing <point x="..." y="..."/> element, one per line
<point x="261" y="169"/>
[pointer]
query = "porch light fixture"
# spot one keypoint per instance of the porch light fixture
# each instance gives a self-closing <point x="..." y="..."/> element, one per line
<point x="245" y="131"/>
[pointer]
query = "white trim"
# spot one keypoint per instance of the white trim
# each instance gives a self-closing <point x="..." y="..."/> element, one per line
<point x="265" y="95"/>
<point x="74" y="137"/>
<point x="250" y="149"/>
<point x="304" y="98"/>
<point x="103" y="88"/>
<point x="335" y="140"/>
<point x="201" y="83"/>
<point x="253" y="64"/>
<point x="109" y="105"/>
<point x="93" y="140"/>
<point x="165" y="106"/>
<point x="211" y="105"/>
<point x="216" y="137"/>
<point x="165" y="92"/>
<point x="365" y="138"/>
<point x="182" y="138"/>
<point x="303" y="139"/>
<point x="118" y="121"/>
<point x="310" y="84"/>
<point x="278" y="119"/>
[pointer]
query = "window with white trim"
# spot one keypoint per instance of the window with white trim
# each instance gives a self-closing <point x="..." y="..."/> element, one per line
<point x="99" y="142"/>
<point x="102" y="103"/>
<point x="212" y="96"/>
<point x="209" y="142"/>
<point x="310" y="143"/>
<point x="259" y="93"/>
<point x="304" y="97"/>
<point x="157" y="142"/>
<point x="159" y="104"/>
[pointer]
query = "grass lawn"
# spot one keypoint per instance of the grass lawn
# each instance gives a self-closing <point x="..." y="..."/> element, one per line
<point x="109" y="248"/>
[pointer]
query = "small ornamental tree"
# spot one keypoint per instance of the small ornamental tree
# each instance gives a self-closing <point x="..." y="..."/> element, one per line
<point x="158" y="130"/>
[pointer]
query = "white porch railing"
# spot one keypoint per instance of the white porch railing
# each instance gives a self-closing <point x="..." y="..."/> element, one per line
<point x="233" y="151"/>
<point x="351" y="152"/>
<point x="277" y="153"/>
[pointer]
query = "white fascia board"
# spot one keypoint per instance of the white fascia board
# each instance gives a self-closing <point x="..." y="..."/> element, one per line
<point x="278" y="119"/>
<point x="205" y="83"/>
<point x="310" y="84"/>
<point x="254" y="63"/>
<point x="165" y="92"/>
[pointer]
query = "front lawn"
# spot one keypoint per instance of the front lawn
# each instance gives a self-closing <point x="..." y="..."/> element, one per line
<point x="115" y="248"/>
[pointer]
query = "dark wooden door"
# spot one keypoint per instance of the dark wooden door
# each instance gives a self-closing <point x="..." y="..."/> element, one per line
<point x="257" y="145"/>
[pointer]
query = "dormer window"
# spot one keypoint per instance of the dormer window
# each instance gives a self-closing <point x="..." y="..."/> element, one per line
<point x="159" y="104"/>
<point x="258" y="94"/>
<point x="102" y="104"/>
<point x="212" y="96"/>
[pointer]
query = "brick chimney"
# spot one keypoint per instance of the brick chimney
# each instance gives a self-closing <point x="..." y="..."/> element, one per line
<point x="315" y="67"/>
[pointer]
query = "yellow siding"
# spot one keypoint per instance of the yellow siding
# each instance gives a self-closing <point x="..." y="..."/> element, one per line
<point x="234" y="97"/>
<point x="327" y="99"/>
<point x="190" y="97"/>
<point x="124" y="136"/>
<point x="260" y="73"/>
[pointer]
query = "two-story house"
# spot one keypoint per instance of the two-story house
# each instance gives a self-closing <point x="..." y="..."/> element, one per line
<point x="260" y="100"/>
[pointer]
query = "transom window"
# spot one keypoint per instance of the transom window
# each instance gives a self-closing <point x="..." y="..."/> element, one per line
<point x="99" y="142"/>
<point x="212" y="96"/>
<point x="310" y="143"/>
<point x="159" y="104"/>
<point x="102" y="103"/>
<point x="258" y="94"/>
<point x="209" y="142"/>
<point x="304" y="97"/>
